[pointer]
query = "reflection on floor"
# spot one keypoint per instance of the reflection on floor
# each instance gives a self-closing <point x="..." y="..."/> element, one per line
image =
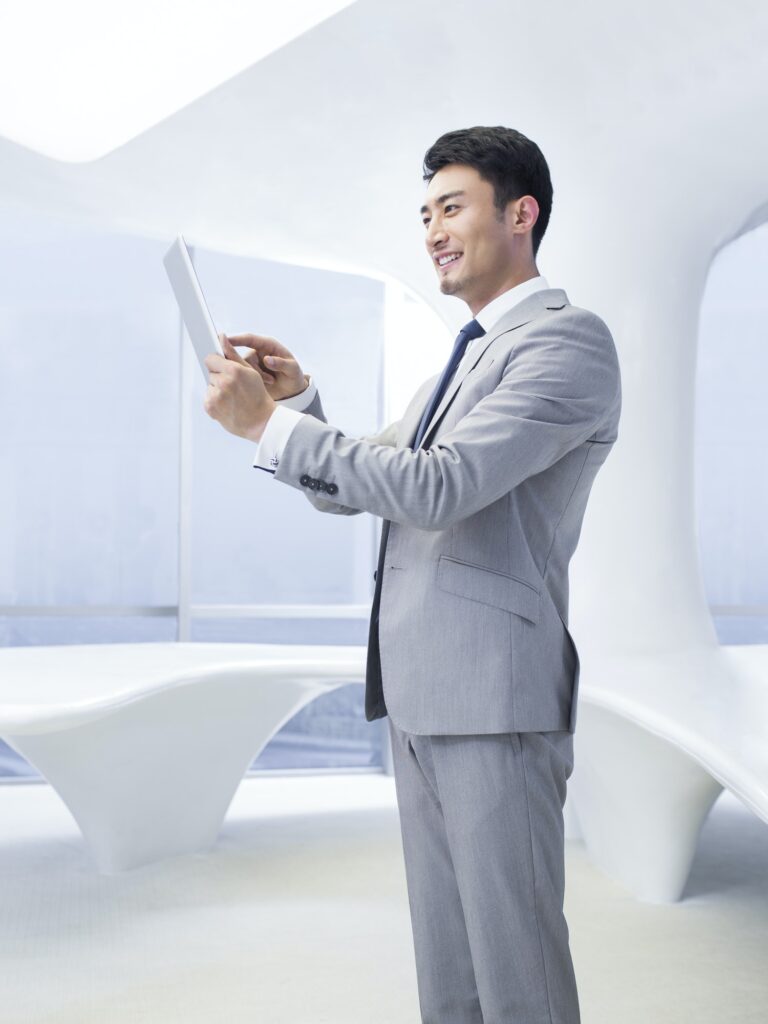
<point x="299" y="915"/>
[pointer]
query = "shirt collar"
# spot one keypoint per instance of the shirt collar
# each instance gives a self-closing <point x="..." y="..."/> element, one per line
<point x="496" y="308"/>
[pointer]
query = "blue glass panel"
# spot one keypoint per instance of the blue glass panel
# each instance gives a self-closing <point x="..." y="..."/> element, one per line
<point x="255" y="540"/>
<point x="331" y="732"/>
<point x="731" y="440"/>
<point x="280" y="631"/>
<point x="89" y="341"/>
<point x="33" y="631"/>
<point x="741" y="629"/>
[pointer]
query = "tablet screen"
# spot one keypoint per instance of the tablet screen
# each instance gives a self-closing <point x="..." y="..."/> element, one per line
<point x="189" y="295"/>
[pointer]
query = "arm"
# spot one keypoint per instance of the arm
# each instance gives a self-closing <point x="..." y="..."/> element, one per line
<point x="385" y="437"/>
<point x="560" y="383"/>
<point x="294" y="394"/>
<point x="280" y="427"/>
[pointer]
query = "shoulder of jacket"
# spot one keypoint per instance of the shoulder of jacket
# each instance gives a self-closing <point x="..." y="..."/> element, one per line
<point x="579" y="312"/>
<point x="585" y="319"/>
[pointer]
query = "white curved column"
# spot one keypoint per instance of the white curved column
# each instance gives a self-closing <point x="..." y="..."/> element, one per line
<point x="640" y="803"/>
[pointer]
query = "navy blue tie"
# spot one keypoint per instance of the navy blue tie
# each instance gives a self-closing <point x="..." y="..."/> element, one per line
<point x="467" y="333"/>
<point x="374" y="692"/>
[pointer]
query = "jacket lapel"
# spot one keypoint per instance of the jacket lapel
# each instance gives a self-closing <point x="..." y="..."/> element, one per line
<point x="529" y="309"/>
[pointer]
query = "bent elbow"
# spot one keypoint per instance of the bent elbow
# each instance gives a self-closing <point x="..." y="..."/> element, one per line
<point x="434" y="519"/>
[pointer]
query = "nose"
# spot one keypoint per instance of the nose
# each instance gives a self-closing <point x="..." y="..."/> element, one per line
<point x="435" y="233"/>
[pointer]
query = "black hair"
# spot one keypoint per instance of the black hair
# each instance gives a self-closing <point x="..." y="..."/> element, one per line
<point x="509" y="161"/>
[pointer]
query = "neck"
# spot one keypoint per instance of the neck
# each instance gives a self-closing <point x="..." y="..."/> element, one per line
<point x="519" y="277"/>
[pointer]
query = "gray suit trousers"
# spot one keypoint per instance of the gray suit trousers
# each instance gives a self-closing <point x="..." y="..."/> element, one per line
<point x="481" y="818"/>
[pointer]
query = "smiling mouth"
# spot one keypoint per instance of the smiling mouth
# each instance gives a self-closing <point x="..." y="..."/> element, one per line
<point x="451" y="259"/>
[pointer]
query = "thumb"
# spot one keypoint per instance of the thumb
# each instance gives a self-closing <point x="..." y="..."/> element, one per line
<point x="230" y="351"/>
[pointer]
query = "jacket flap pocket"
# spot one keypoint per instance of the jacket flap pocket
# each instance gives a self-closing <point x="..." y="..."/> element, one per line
<point x="488" y="586"/>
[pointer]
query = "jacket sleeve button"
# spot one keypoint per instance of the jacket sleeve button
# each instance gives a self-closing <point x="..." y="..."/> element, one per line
<point x="332" y="488"/>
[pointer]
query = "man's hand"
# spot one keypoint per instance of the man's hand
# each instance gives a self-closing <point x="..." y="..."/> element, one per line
<point x="236" y="395"/>
<point x="282" y="375"/>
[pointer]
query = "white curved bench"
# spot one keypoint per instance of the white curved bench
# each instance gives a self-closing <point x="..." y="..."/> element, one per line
<point x="657" y="740"/>
<point x="147" y="743"/>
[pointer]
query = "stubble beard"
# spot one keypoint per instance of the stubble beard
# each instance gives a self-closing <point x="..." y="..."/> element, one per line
<point x="458" y="286"/>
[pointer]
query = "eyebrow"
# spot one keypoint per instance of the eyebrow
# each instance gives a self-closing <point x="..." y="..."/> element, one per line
<point x="442" y="199"/>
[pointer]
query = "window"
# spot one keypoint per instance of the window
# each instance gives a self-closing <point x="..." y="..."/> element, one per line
<point x="127" y="513"/>
<point x="731" y="441"/>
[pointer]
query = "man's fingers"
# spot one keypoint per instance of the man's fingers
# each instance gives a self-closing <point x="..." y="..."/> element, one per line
<point x="255" y="361"/>
<point x="280" y="363"/>
<point x="277" y="364"/>
<point x="261" y="343"/>
<point x="213" y="362"/>
<point x="257" y="341"/>
<point x="230" y="350"/>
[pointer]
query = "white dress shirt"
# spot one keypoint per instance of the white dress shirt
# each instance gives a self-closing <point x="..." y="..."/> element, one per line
<point x="288" y="411"/>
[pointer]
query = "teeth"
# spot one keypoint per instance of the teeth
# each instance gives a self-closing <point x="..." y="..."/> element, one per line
<point x="448" y="259"/>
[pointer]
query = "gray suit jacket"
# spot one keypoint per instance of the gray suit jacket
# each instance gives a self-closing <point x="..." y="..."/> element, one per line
<point x="484" y="520"/>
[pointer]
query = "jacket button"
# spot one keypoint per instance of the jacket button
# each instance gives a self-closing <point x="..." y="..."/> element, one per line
<point x="304" y="480"/>
<point x="332" y="488"/>
<point x="375" y="573"/>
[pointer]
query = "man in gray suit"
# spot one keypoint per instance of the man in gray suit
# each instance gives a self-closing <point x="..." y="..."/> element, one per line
<point x="482" y="486"/>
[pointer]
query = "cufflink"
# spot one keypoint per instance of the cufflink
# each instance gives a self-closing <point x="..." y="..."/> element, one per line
<point x="274" y="461"/>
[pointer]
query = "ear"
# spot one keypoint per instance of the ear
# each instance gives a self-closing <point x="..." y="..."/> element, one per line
<point x="525" y="214"/>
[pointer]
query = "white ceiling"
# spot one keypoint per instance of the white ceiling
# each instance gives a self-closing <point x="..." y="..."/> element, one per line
<point x="81" y="78"/>
<point x="652" y="120"/>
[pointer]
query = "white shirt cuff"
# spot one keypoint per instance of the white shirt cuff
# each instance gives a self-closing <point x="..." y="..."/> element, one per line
<point x="275" y="437"/>
<point x="302" y="400"/>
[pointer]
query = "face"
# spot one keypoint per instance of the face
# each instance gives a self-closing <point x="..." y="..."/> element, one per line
<point x="476" y="255"/>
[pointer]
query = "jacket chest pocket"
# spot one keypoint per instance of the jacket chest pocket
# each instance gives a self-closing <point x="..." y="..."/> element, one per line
<point x="489" y="586"/>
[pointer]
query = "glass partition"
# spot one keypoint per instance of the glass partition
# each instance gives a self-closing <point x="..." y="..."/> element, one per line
<point x="127" y="513"/>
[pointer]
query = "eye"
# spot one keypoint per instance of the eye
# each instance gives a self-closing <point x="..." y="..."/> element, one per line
<point x="450" y="206"/>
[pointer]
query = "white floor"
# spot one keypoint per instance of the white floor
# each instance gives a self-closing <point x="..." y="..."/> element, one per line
<point x="299" y="915"/>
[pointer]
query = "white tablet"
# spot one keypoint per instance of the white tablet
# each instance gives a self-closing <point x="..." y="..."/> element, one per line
<point x="189" y="295"/>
